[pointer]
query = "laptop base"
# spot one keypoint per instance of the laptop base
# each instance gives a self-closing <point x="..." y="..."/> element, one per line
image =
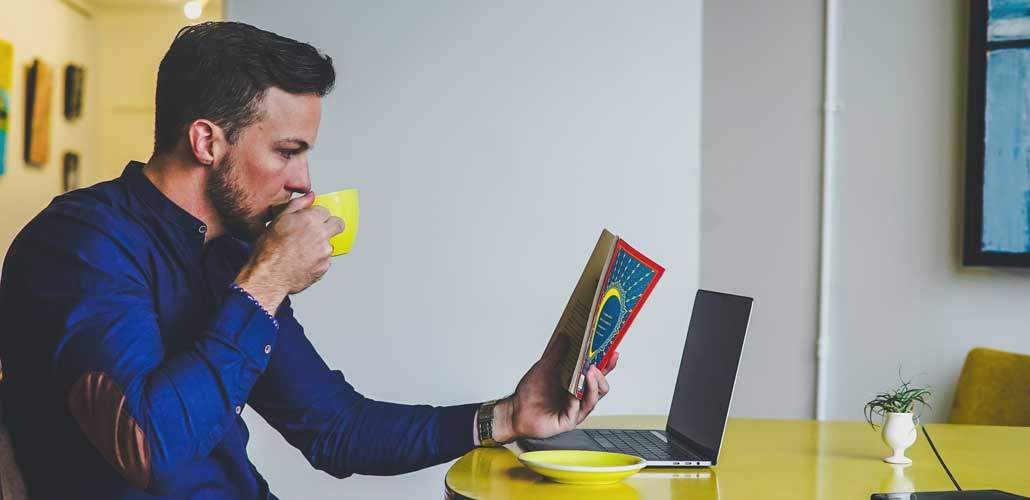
<point x="578" y="439"/>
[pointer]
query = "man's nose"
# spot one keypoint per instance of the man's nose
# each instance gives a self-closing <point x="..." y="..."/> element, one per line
<point x="299" y="180"/>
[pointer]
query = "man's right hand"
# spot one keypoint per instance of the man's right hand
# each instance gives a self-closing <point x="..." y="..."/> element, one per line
<point x="292" y="254"/>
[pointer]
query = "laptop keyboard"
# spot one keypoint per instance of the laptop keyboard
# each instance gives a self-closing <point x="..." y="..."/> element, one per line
<point x="636" y="442"/>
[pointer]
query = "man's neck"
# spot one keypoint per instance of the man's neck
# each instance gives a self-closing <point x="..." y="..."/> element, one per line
<point x="184" y="183"/>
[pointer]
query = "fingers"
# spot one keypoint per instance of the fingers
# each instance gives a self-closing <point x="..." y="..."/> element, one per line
<point x="611" y="364"/>
<point x="323" y="268"/>
<point x="570" y="419"/>
<point x="336" y="226"/>
<point x="299" y="203"/>
<point x="591" y="396"/>
<point x="602" y="386"/>
<point x="323" y="213"/>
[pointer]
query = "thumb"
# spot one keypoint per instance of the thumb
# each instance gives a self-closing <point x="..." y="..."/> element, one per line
<point x="299" y="203"/>
<point x="554" y="353"/>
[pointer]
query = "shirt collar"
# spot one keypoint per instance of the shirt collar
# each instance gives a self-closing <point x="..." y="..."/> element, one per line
<point x="166" y="209"/>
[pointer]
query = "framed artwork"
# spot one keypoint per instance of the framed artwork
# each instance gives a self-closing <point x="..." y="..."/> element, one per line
<point x="38" y="87"/>
<point x="997" y="219"/>
<point x="74" y="76"/>
<point x="70" y="171"/>
<point x="6" y="66"/>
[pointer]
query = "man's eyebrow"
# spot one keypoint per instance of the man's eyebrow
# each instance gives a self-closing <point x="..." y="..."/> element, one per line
<point x="301" y="143"/>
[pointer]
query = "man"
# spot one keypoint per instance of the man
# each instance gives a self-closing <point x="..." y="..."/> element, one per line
<point x="142" y="314"/>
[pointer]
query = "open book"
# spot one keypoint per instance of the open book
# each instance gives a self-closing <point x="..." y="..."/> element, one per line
<point x="610" y="292"/>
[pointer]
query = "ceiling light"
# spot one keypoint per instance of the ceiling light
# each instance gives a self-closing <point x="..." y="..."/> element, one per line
<point x="192" y="9"/>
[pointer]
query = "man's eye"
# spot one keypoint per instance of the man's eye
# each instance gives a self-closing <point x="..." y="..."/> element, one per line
<point x="286" y="153"/>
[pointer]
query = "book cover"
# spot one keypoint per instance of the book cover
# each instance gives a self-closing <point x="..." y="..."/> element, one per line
<point x="610" y="292"/>
<point x="629" y="279"/>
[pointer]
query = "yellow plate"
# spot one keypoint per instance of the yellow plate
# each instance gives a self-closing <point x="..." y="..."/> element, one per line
<point x="582" y="467"/>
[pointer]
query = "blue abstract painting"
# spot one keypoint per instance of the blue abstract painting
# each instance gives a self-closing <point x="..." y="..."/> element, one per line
<point x="1006" y="224"/>
<point x="998" y="201"/>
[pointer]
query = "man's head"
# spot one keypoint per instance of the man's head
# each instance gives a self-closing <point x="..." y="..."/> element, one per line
<point x="244" y="104"/>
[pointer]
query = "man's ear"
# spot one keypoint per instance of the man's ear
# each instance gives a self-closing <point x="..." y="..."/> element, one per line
<point x="207" y="141"/>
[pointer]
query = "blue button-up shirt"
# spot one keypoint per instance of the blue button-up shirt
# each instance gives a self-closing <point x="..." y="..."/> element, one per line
<point x="128" y="355"/>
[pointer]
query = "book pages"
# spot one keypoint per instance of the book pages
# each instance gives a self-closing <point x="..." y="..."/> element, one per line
<point x="575" y="320"/>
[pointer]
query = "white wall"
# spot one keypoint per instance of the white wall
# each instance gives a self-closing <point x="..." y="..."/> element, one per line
<point x="760" y="133"/>
<point x="899" y="294"/>
<point x="132" y="41"/>
<point x="69" y="37"/>
<point x="491" y="143"/>
<point x="120" y="48"/>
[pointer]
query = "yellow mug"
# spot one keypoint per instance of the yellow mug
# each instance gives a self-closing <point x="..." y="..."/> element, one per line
<point x="342" y="204"/>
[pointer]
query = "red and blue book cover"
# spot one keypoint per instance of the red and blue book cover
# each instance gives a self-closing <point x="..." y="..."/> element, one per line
<point x="628" y="280"/>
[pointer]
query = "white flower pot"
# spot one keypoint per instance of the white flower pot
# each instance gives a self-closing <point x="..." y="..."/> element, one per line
<point x="899" y="432"/>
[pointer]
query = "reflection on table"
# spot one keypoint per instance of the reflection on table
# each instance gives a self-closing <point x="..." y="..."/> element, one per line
<point x="789" y="459"/>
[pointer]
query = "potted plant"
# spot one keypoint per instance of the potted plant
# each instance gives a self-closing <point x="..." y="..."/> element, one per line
<point x="895" y="410"/>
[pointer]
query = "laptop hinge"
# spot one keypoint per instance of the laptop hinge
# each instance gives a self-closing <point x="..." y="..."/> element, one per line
<point x="690" y="445"/>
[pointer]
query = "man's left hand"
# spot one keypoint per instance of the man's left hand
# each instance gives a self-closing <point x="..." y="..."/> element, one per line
<point x="540" y="407"/>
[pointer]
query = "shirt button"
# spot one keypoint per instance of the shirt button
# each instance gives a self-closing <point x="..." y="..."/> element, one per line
<point x="202" y="229"/>
<point x="239" y="409"/>
<point x="268" y="349"/>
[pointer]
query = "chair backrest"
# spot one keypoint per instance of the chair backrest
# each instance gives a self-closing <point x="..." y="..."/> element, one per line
<point x="993" y="389"/>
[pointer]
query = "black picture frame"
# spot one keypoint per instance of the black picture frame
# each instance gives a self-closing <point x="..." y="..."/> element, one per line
<point x="70" y="172"/>
<point x="74" y="78"/>
<point x="973" y="253"/>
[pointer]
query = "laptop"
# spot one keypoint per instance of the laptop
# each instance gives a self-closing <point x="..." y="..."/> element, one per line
<point x="700" y="402"/>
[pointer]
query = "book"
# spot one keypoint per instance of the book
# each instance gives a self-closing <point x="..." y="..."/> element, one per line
<point x="610" y="292"/>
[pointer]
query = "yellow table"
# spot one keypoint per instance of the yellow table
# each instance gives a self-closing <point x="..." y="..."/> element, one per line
<point x="768" y="459"/>
<point x="983" y="457"/>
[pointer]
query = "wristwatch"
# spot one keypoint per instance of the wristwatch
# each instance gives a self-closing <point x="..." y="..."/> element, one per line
<point x="485" y="424"/>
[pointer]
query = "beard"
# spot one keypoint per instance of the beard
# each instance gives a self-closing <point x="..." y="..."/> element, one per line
<point x="230" y="201"/>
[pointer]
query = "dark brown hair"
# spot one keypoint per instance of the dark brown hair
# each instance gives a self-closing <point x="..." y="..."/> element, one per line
<point x="220" y="71"/>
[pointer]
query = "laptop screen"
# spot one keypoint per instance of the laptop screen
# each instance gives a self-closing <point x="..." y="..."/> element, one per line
<point x="708" y="369"/>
